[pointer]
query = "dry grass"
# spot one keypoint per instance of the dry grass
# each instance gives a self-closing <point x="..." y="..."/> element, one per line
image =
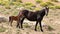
<point x="53" y="20"/>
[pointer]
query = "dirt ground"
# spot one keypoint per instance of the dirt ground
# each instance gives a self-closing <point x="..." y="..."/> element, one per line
<point x="53" y="20"/>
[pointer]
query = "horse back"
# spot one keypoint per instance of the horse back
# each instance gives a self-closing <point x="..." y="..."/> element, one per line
<point x="11" y="18"/>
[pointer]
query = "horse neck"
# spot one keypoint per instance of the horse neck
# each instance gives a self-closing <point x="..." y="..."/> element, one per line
<point x="26" y="13"/>
<point x="42" y="12"/>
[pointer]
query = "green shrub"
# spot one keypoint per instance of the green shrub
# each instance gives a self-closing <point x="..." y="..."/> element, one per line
<point x="4" y="2"/>
<point x="18" y="4"/>
<point x="46" y="4"/>
<point x="50" y="28"/>
<point x="49" y="3"/>
<point x="29" y="5"/>
<point x="2" y="29"/>
<point x="57" y="7"/>
<point x="38" y="1"/>
<point x="5" y="12"/>
<point x="13" y="0"/>
<point x="15" y="13"/>
<point x="7" y="7"/>
<point x="15" y="3"/>
<point x="54" y="0"/>
<point x="19" y="1"/>
<point x="37" y="9"/>
<point x="0" y="2"/>
<point x="43" y="4"/>
<point x="52" y="7"/>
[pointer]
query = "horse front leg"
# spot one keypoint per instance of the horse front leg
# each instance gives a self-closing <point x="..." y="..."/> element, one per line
<point x="22" y="22"/>
<point x="36" y="25"/>
<point x="39" y="20"/>
<point x="40" y="26"/>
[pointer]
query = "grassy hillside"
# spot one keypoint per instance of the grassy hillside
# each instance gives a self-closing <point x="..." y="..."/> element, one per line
<point x="9" y="7"/>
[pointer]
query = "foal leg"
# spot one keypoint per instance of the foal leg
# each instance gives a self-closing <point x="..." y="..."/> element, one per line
<point x="11" y="23"/>
<point x="36" y="25"/>
<point x="18" y="24"/>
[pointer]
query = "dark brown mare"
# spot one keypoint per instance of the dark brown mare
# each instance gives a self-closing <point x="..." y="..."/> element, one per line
<point x="33" y="16"/>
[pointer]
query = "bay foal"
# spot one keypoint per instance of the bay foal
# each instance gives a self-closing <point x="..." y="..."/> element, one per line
<point x="13" y="18"/>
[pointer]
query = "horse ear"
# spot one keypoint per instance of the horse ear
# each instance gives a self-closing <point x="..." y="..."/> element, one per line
<point x="48" y="7"/>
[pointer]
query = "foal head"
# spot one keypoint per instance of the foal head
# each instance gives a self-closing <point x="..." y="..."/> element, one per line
<point x="46" y="10"/>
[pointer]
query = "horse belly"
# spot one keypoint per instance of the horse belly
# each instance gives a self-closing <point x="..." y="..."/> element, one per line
<point x="32" y="19"/>
<point x="15" y="19"/>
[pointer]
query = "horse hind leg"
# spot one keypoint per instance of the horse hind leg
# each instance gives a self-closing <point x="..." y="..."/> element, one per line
<point x="22" y="22"/>
<point x="36" y="26"/>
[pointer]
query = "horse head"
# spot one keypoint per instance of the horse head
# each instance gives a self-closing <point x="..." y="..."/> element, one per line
<point x="46" y="10"/>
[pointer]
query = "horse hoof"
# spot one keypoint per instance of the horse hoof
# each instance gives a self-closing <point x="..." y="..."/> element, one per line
<point x="35" y="30"/>
<point x="19" y="27"/>
<point x="42" y="30"/>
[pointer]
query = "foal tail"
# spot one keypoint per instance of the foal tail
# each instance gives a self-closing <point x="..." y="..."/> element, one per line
<point x="9" y="19"/>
